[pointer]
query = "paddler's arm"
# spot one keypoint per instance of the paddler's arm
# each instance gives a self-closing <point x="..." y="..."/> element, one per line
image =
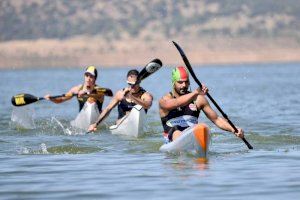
<point x="169" y="103"/>
<point x="217" y="120"/>
<point x="113" y="103"/>
<point x="145" y="100"/>
<point x="67" y="97"/>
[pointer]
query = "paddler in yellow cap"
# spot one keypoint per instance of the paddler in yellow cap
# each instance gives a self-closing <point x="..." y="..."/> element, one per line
<point x="181" y="108"/>
<point x="88" y="91"/>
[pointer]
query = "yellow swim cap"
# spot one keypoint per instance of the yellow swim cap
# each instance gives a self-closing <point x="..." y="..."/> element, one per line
<point x="91" y="70"/>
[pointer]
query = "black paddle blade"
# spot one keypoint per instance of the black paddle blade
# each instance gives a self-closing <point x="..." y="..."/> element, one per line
<point x="23" y="99"/>
<point x="149" y="69"/>
<point x="105" y="91"/>
<point x="187" y="63"/>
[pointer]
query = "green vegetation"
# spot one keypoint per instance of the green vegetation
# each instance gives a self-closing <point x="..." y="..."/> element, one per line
<point x="34" y="19"/>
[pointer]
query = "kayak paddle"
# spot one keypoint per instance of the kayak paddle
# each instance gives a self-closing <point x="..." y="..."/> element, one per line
<point x="149" y="69"/>
<point x="25" y="99"/>
<point x="189" y="67"/>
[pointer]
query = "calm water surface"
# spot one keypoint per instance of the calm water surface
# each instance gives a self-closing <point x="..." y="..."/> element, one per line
<point x="40" y="160"/>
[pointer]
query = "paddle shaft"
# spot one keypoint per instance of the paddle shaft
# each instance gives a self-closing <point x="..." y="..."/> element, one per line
<point x="58" y="96"/>
<point x="105" y="91"/>
<point x="188" y="65"/>
<point x="54" y="97"/>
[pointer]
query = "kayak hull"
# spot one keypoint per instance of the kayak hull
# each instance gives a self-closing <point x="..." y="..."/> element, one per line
<point x="87" y="116"/>
<point x="131" y="124"/>
<point x="194" y="139"/>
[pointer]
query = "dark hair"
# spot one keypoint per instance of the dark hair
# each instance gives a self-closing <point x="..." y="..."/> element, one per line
<point x="132" y="72"/>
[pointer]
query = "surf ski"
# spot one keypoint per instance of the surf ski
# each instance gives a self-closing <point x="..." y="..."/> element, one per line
<point x="87" y="116"/>
<point x="195" y="139"/>
<point x="131" y="124"/>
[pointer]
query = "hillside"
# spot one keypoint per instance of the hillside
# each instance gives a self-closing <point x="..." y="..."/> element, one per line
<point x="75" y="33"/>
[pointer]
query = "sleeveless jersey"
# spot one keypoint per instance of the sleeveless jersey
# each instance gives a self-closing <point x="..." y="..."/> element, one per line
<point x="182" y="117"/>
<point x="125" y="106"/>
<point x="82" y="100"/>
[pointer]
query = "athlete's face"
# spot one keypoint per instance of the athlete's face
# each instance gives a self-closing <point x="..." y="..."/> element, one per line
<point x="182" y="86"/>
<point x="131" y="80"/>
<point x="89" y="80"/>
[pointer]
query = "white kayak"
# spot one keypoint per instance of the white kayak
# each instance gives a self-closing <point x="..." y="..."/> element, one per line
<point x="87" y="116"/>
<point x="194" y="139"/>
<point x="131" y="124"/>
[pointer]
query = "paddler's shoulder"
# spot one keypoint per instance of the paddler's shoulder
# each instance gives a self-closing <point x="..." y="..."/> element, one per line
<point x="76" y="88"/>
<point x="165" y="98"/>
<point x="168" y="96"/>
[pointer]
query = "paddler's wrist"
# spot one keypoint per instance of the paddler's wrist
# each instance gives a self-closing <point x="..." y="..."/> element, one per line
<point x="232" y="131"/>
<point x="97" y="123"/>
<point x="237" y="133"/>
<point x="195" y="94"/>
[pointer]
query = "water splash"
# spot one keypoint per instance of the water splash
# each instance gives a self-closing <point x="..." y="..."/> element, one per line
<point x="23" y="118"/>
<point x="44" y="148"/>
<point x="23" y="150"/>
<point x="65" y="130"/>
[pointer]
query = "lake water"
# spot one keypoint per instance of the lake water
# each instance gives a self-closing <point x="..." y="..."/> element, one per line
<point x="39" y="160"/>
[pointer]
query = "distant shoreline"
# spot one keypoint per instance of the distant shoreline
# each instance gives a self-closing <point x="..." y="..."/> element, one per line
<point x="78" y="52"/>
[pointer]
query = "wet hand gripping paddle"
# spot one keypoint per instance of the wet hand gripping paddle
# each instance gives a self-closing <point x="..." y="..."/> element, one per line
<point x="189" y="67"/>
<point x="25" y="99"/>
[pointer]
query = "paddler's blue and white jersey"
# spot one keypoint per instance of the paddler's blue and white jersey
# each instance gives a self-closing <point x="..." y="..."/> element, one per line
<point x="181" y="117"/>
<point x="182" y="121"/>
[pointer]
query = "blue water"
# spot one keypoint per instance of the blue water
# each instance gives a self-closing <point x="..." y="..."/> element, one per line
<point x="42" y="161"/>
